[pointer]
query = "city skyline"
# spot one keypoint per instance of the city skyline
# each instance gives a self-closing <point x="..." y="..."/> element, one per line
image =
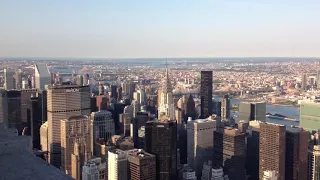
<point x="79" y="29"/>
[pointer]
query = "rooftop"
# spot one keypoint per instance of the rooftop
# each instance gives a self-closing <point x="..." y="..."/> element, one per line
<point x="139" y="153"/>
<point x="43" y="70"/>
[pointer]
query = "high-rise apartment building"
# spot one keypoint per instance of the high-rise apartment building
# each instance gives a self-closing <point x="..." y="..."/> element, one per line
<point x="64" y="102"/>
<point x="161" y="137"/>
<point x="206" y="94"/>
<point x="117" y="165"/>
<point x="141" y="165"/>
<point x="297" y="141"/>
<point x="8" y="79"/>
<point x="200" y="142"/>
<point x="272" y="149"/>
<point x="230" y="152"/>
<point x="225" y="108"/>
<point x="75" y="130"/>
<point x="304" y="82"/>
<point x="42" y="76"/>
<point x="249" y="111"/>
<point x="310" y="116"/>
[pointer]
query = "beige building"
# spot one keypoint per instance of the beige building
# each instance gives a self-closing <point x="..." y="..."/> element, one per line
<point x="94" y="169"/>
<point x="76" y="129"/>
<point x="64" y="102"/>
<point x="44" y="136"/>
<point x="117" y="165"/>
<point x="200" y="142"/>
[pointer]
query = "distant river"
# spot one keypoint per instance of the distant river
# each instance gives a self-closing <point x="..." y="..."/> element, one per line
<point x="289" y="111"/>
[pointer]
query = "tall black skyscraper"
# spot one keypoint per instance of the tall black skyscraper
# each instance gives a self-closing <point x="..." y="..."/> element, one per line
<point x="161" y="138"/>
<point x="34" y="121"/>
<point x="14" y="110"/>
<point x="206" y="94"/>
<point x="190" y="108"/>
<point x="114" y="93"/>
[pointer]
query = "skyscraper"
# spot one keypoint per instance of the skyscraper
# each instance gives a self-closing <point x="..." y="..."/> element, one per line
<point x="200" y="142"/>
<point x="3" y="107"/>
<point x="141" y="165"/>
<point x="8" y="79"/>
<point x="14" y="110"/>
<point x="114" y="93"/>
<point x="166" y="104"/>
<point x="190" y="108"/>
<point x="304" y="82"/>
<point x="252" y="159"/>
<point x="225" y="108"/>
<point x="272" y="149"/>
<point x="296" y="153"/>
<point x="309" y="116"/>
<point x="75" y="131"/>
<point x="318" y="79"/>
<point x="117" y="165"/>
<point x="140" y="120"/>
<point x="42" y="76"/>
<point x="94" y="169"/>
<point x="102" y="127"/>
<point x="64" y="102"/>
<point x="161" y="139"/>
<point x="230" y="152"/>
<point x="315" y="163"/>
<point x="26" y="105"/>
<point x="206" y="94"/>
<point x="249" y="111"/>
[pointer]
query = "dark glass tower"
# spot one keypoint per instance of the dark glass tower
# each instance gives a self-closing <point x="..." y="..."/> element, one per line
<point x="206" y="94"/>
<point x="190" y="108"/>
<point x="161" y="138"/>
<point x="229" y="152"/>
<point x="114" y="93"/>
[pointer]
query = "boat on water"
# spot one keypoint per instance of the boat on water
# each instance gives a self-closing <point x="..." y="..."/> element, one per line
<point x="280" y="117"/>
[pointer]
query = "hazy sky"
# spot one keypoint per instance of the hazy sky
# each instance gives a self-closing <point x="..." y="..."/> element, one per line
<point x="159" y="28"/>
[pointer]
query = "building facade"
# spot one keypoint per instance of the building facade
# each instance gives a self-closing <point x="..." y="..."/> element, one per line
<point x="272" y="149"/>
<point x="206" y="94"/>
<point x="117" y="165"/>
<point x="161" y="137"/>
<point x="166" y="104"/>
<point x="141" y="165"/>
<point x="42" y="76"/>
<point x="8" y="79"/>
<point x="64" y="102"/>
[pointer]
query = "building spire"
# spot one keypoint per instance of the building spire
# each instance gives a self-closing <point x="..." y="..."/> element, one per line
<point x="167" y="73"/>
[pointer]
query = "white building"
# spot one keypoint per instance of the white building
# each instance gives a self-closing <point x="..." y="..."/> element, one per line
<point x="44" y="136"/>
<point x="166" y="105"/>
<point x="217" y="174"/>
<point x="102" y="126"/>
<point x="270" y="175"/>
<point x="200" y="142"/>
<point x="94" y="169"/>
<point x="42" y="75"/>
<point x="117" y="165"/>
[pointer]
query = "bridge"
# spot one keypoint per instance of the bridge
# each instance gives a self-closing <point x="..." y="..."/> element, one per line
<point x="196" y="92"/>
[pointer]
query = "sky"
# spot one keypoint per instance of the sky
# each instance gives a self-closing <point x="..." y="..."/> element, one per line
<point x="159" y="28"/>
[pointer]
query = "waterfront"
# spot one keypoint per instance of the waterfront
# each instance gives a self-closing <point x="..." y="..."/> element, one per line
<point x="290" y="111"/>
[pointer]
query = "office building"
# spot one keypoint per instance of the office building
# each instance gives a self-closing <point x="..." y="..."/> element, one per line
<point x="117" y="165"/>
<point x="124" y="122"/>
<point x="94" y="169"/>
<point x="64" y="102"/>
<point x="296" y="153"/>
<point x="8" y="79"/>
<point x="101" y="102"/>
<point x="187" y="173"/>
<point x="272" y="149"/>
<point x="17" y="79"/>
<point x="141" y="165"/>
<point x="102" y="126"/>
<point x="44" y="136"/>
<point x="114" y="93"/>
<point x="200" y="142"/>
<point x="42" y="97"/>
<point x="3" y="107"/>
<point x="160" y="140"/>
<point x="34" y="122"/>
<point x="206" y="170"/>
<point x="26" y="105"/>
<point x="14" y="110"/>
<point x="270" y="175"/>
<point x="75" y="129"/>
<point x="179" y="116"/>
<point x="140" y="120"/>
<point x="136" y="96"/>
<point x="315" y="163"/>
<point x="304" y="82"/>
<point x="310" y="116"/>
<point x="42" y="76"/>
<point x="190" y="108"/>
<point x="252" y="159"/>
<point x="76" y="162"/>
<point x="230" y="152"/>
<point x="166" y="104"/>
<point x="249" y="111"/>
<point x="225" y="108"/>
<point x="206" y="94"/>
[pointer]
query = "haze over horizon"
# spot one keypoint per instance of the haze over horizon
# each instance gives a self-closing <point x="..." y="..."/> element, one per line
<point x="143" y="29"/>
